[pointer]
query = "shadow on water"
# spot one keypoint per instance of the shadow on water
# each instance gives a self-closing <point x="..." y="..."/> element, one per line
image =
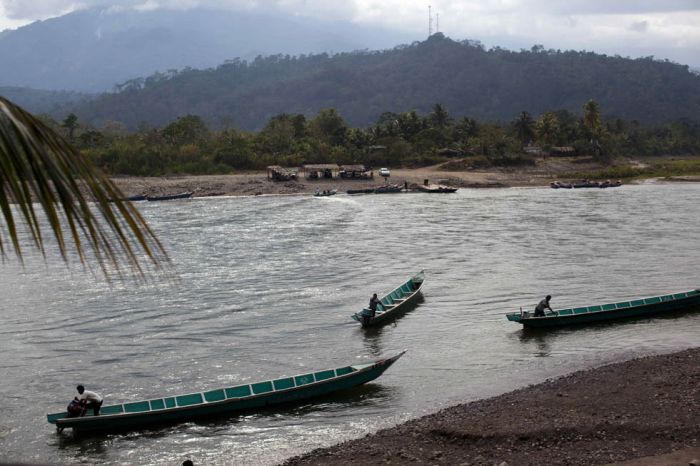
<point x="539" y="337"/>
<point x="91" y="443"/>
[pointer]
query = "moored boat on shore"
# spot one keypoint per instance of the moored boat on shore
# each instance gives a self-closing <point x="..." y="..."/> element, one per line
<point x="393" y="303"/>
<point x="171" y="409"/>
<point x="325" y="193"/>
<point x="388" y="189"/>
<point x="614" y="311"/>
<point x="436" y="188"/>
<point x="361" y="191"/>
<point x="185" y="195"/>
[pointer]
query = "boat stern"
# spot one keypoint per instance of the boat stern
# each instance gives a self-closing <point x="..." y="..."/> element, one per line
<point x="514" y="317"/>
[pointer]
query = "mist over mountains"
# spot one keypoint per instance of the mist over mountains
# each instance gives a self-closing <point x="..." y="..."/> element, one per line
<point x="92" y="50"/>
<point x="495" y="84"/>
<point x="241" y="68"/>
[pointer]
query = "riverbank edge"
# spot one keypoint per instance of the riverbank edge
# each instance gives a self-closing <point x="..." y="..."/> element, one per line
<point x="256" y="184"/>
<point x="644" y="407"/>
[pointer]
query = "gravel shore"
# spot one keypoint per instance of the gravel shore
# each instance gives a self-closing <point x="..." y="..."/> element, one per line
<point x="646" y="409"/>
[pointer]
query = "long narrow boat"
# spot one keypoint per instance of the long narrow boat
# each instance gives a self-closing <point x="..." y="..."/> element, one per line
<point x="393" y="303"/>
<point x="325" y="193"/>
<point x="388" y="189"/>
<point x="614" y="311"/>
<point x="436" y="188"/>
<point x="185" y="195"/>
<point x="173" y="409"/>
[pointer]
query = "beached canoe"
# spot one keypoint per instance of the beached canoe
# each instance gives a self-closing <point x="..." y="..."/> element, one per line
<point x="614" y="311"/>
<point x="388" y="189"/>
<point x="436" y="188"/>
<point x="172" y="409"/>
<point x="185" y="195"/>
<point x="360" y="191"/>
<point x="332" y="192"/>
<point x="394" y="302"/>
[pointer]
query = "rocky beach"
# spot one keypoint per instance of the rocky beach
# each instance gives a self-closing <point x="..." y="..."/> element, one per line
<point x="640" y="412"/>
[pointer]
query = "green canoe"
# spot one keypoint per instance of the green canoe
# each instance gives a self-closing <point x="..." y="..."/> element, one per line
<point x="614" y="311"/>
<point x="173" y="409"/>
<point x="393" y="303"/>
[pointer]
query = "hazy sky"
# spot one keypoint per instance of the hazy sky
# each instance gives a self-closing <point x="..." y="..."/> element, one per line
<point x="663" y="28"/>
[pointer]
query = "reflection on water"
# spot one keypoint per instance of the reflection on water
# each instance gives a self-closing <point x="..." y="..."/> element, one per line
<point x="536" y="339"/>
<point x="267" y="285"/>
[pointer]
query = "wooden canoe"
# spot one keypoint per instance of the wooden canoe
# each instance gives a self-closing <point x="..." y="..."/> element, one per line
<point x="172" y="409"/>
<point x="185" y="195"/>
<point x="332" y="192"/>
<point x="613" y="311"/>
<point x="394" y="302"/>
<point x="433" y="188"/>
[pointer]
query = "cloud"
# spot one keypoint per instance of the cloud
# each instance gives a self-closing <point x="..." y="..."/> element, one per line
<point x="639" y="26"/>
<point x="670" y="27"/>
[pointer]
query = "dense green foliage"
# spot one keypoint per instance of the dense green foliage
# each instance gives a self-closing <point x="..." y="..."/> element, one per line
<point x="409" y="139"/>
<point x="493" y="84"/>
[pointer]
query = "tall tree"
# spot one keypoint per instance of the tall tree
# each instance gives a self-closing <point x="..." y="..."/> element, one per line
<point x="591" y="117"/>
<point x="440" y="117"/>
<point x="329" y="127"/>
<point x="40" y="170"/>
<point x="547" y="128"/>
<point x="71" y="124"/>
<point x="524" y="127"/>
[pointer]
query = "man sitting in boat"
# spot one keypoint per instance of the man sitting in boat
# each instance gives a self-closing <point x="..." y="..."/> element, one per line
<point x="75" y="408"/>
<point x="539" y="310"/>
<point x="367" y="316"/>
<point x="90" y="400"/>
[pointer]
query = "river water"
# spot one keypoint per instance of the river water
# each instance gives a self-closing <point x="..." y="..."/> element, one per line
<point x="266" y="287"/>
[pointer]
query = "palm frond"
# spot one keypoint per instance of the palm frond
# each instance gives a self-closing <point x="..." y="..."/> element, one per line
<point x="40" y="171"/>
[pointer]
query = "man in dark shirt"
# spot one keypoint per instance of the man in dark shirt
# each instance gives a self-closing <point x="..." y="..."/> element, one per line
<point x="544" y="304"/>
<point x="373" y="302"/>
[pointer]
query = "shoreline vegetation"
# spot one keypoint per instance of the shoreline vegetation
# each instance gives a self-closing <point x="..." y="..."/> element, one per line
<point x="255" y="183"/>
<point x="639" y="412"/>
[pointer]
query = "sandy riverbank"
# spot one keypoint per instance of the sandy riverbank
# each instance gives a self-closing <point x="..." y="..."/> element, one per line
<point x="250" y="184"/>
<point x="646" y="410"/>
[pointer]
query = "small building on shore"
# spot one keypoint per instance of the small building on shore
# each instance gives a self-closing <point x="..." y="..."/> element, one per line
<point x="321" y="171"/>
<point x="356" y="172"/>
<point x="278" y="173"/>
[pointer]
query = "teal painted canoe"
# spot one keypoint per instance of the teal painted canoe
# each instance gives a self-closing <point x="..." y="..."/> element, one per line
<point x="614" y="311"/>
<point x="393" y="303"/>
<point x="174" y="409"/>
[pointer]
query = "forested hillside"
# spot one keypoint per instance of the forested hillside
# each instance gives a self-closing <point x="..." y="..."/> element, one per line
<point x="90" y="50"/>
<point x="469" y="80"/>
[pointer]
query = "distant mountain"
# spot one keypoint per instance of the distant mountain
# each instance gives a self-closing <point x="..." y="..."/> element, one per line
<point x="468" y="80"/>
<point x="92" y="50"/>
<point x="41" y="101"/>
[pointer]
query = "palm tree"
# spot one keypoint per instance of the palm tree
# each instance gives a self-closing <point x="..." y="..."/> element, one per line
<point x="547" y="128"/>
<point x="591" y="116"/>
<point x="40" y="171"/>
<point x="440" y="117"/>
<point x="524" y="127"/>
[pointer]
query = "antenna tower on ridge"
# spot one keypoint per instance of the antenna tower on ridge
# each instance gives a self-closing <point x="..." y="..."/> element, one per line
<point x="430" y="20"/>
<point x="437" y="22"/>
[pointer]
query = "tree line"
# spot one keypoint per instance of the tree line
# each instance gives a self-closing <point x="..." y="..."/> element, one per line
<point x="409" y="139"/>
<point x="493" y="84"/>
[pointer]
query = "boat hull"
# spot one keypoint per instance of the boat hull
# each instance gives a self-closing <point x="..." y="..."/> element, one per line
<point x="173" y="197"/>
<point x="126" y="421"/>
<point x="626" y="310"/>
<point x="394" y="303"/>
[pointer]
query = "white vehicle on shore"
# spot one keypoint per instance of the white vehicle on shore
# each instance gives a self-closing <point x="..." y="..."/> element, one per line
<point x="384" y="172"/>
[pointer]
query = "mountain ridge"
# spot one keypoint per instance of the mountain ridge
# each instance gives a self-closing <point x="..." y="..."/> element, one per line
<point x="494" y="84"/>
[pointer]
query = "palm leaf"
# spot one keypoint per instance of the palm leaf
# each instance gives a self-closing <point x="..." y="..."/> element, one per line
<point x="40" y="171"/>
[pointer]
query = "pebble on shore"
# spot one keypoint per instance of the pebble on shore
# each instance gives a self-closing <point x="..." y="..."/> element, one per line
<point x="635" y="409"/>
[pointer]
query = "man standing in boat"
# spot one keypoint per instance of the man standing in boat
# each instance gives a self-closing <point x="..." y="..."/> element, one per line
<point x="373" y="302"/>
<point x="90" y="400"/>
<point x="539" y="310"/>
